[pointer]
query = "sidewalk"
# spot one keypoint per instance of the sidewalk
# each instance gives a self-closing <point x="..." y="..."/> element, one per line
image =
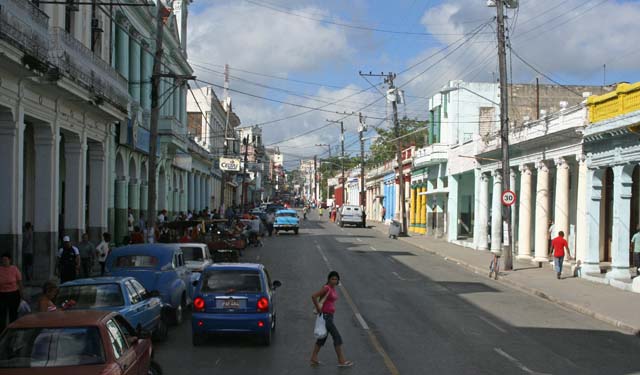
<point x="606" y="303"/>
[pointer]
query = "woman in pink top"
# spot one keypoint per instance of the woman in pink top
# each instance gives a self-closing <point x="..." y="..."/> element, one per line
<point x="329" y="294"/>
<point x="10" y="290"/>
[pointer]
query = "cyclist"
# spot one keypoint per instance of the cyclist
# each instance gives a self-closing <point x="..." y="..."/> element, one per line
<point x="304" y="212"/>
<point x="494" y="266"/>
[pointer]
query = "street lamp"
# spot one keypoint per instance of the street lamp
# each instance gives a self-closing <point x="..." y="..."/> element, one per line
<point x="328" y="146"/>
<point x="450" y="89"/>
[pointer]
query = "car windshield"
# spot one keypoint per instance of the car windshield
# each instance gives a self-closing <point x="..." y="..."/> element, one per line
<point x="50" y="347"/>
<point x="132" y="261"/>
<point x="231" y="281"/>
<point x="192" y="253"/>
<point x="91" y="296"/>
<point x="286" y="214"/>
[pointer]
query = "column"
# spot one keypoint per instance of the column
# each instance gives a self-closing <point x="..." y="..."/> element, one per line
<point x="203" y="192"/>
<point x="134" y="68"/>
<point x="176" y="201"/>
<point x="145" y="86"/>
<point x="176" y="100"/>
<point x="144" y="197"/>
<point x="75" y="155"/>
<point x="97" y="191"/>
<point x="591" y="263"/>
<point x="541" y="244"/>
<point x="11" y="164"/>
<point x="582" y="232"/>
<point x="524" y="211"/>
<point x="452" y="209"/>
<point x="496" y="213"/>
<point x="481" y="234"/>
<point x="122" y="51"/>
<point x="412" y="219"/>
<point x="121" y="210"/>
<point x="561" y="213"/>
<point x="196" y="192"/>
<point x="622" y="184"/>
<point x="423" y="207"/>
<point x="190" y="192"/>
<point x="514" y="209"/>
<point x="134" y="198"/>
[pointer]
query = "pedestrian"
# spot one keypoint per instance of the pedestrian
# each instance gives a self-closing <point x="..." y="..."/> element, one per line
<point x="27" y="251"/>
<point x="10" y="291"/>
<point x="559" y="244"/>
<point x="46" y="300"/>
<point x="271" y="218"/>
<point x="364" y="218"/>
<point x="142" y="223"/>
<point x="137" y="236"/>
<point x="384" y="213"/>
<point x="130" y="220"/>
<point x="87" y="255"/>
<point x="329" y="294"/>
<point x="162" y="217"/>
<point x="635" y="240"/>
<point x="103" y="251"/>
<point x="68" y="261"/>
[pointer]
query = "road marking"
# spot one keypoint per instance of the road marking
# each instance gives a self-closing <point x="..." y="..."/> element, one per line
<point x="492" y="324"/>
<point x="258" y="257"/>
<point x="398" y="276"/>
<point x="342" y="229"/>
<point x="359" y="240"/>
<point x="372" y="337"/>
<point x="515" y="361"/>
<point x="373" y="248"/>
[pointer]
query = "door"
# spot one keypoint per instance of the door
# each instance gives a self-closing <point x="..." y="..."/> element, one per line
<point x="183" y="273"/>
<point x="125" y="357"/>
<point x="150" y="311"/>
<point x="136" y="310"/>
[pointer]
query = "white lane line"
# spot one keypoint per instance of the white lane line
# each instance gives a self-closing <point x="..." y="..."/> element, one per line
<point x="359" y="240"/>
<point x="515" y="361"/>
<point x="342" y="229"/>
<point x="258" y="257"/>
<point x="398" y="276"/>
<point x="492" y="324"/>
<point x="324" y="257"/>
<point x="373" y="248"/>
<point x="364" y="324"/>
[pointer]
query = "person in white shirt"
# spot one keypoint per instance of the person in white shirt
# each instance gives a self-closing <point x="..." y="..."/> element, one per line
<point x="103" y="251"/>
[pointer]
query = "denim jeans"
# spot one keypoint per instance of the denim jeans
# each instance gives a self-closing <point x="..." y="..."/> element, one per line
<point x="557" y="263"/>
<point x="332" y="330"/>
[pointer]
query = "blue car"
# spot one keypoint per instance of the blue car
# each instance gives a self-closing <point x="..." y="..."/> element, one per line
<point x="234" y="298"/>
<point x="158" y="267"/>
<point x="125" y="295"/>
<point x="286" y="220"/>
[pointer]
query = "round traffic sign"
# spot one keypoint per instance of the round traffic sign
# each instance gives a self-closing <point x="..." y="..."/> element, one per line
<point x="508" y="197"/>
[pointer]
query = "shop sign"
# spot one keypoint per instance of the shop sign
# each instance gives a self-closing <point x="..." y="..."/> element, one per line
<point x="227" y="164"/>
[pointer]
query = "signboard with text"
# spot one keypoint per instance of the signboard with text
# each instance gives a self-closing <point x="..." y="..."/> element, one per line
<point x="227" y="164"/>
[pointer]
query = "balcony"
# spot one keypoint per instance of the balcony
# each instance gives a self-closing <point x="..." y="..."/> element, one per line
<point x="436" y="153"/>
<point x="79" y="64"/>
<point x="25" y="26"/>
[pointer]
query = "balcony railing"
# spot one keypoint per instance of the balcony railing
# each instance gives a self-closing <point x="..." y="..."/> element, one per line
<point x="80" y="64"/>
<point x="25" y="26"/>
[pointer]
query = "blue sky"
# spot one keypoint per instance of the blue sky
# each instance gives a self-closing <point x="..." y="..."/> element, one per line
<point x="307" y="40"/>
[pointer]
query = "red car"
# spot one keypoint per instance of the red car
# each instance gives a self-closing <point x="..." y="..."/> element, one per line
<point x="75" y="342"/>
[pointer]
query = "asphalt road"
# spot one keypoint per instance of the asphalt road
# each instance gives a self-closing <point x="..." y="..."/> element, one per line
<point x="402" y="311"/>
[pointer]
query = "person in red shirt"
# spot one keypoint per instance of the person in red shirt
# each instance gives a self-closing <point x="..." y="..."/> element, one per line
<point x="137" y="236"/>
<point x="559" y="244"/>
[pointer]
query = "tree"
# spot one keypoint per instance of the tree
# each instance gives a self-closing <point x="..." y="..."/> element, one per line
<point x="413" y="133"/>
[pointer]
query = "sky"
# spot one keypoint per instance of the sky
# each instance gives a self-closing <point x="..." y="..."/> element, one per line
<point x="295" y="64"/>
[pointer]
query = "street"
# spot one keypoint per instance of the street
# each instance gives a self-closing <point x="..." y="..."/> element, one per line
<point x="402" y="311"/>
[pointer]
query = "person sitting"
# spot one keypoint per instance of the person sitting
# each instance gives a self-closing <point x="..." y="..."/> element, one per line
<point x="49" y="293"/>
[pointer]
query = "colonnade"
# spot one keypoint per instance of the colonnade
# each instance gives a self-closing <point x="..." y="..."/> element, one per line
<point x="418" y="208"/>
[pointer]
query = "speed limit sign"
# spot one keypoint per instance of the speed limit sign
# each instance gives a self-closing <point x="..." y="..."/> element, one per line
<point x="508" y="197"/>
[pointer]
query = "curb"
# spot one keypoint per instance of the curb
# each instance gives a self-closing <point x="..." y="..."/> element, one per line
<point x="627" y="328"/>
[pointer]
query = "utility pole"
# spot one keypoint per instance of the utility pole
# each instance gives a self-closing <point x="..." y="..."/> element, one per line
<point x="341" y="155"/>
<point x="245" y="142"/>
<point x="315" y="178"/>
<point x="392" y="96"/>
<point x="361" y="130"/>
<point x="155" y="113"/>
<point x="504" y="132"/>
<point x="227" y="100"/>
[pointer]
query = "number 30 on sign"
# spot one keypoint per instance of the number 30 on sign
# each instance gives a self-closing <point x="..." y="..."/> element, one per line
<point x="508" y="197"/>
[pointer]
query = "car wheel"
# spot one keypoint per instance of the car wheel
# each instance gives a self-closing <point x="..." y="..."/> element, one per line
<point x="273" y="323"/>
<point x="295" y="231"/>
<point x="341" y="224"/>
<point x="197" y="339"/>
<point x="162" y="331"/>
<point x="154" y="369"/>
<point x="178" y="312"/>
<point x="266" y="339"/>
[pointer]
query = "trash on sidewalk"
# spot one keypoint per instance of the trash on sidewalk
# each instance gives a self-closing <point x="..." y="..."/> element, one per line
<point x="394" y="229"/>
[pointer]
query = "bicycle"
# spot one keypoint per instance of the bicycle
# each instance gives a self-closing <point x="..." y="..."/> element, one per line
<point x="494" y="266"/>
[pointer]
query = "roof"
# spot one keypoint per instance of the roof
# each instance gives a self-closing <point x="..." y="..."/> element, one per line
<point x="234" y="266"/>
<point x="162" y="251"/>
<point x="288" y="211"/>
<point x="196" y="244"/>
<point x="72" y="318"/>
<point x="97" y="280"/>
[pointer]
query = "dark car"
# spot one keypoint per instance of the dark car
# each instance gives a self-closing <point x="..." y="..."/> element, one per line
<point x="234" y="298"/>
<point x="83" y="342"/>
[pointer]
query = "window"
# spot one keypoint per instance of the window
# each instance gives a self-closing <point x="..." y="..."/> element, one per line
<point x="134" y="261"/>
<point x="193" y="253"/>
<point x="219" y="281"/>
<point x="134" y="297"/>
<point x="117" y="339"/>
<point x="91" y="296"/>
<point x="142" y="292"/>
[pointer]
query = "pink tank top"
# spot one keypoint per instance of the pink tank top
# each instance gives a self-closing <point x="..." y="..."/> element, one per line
<point x="329" y="306"/>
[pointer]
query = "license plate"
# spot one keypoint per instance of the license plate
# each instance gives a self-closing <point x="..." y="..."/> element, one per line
<point x="231" y="304"/>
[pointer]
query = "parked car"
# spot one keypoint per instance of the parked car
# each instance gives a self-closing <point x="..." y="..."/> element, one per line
<point x="234" y="298"/>
<point x="158" y="267"/>
<point x="196" y="256"/>
<point x="349" y="214"/>
<point x="75" y="343"/>
<point x="286" y="220"/>
<point x="125" y="295"/>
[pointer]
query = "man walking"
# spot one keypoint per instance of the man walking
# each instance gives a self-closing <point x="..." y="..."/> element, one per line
<point x="559" y="244"/>
<point x="104" y="250"/>
<point x="384" y="213"/>
<point x="635" y="240"/>
<point x="68" y="261"/>
<point x="87" y="255"/>
<point x="271" y="218"/>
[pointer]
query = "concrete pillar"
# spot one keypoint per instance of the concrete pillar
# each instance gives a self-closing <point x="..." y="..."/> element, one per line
<point x="196" y="192"/>
<point x="134" y="68"/>
<point x="423" y="207"/>
<point x="542" y="214"/>
<point x="122" y="51"/>
<point x="582" y="232"/>
<point x="561" y="213"/>
<point x="11" y="191"/>
<point x="482" y="237"/>
<point x="191" y="191"/>
<point x="144" y="197"/>
<point x="514" y="208"/>
<point x="98" y="172"/>
<point x="145" y="75"/>
<point x="591" y="263"/>
<point x="121" y="210"/>
<point x="203" y="192"/>
<point x="134" y="198"/>
<point x="176" y="201"/>
<point x="176" y="101"/>
<point x="622" y="183"/>
<point x="75" y="154"/>
<point x="414" y="209"/>
<point x="453" y="208"/>
<point x="524" y="217"/>
<point x="496" y="213"/>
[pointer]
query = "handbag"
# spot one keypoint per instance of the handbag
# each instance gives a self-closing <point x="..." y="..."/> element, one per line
<point x="321" y="303"/>
<point x="320" y="329"/>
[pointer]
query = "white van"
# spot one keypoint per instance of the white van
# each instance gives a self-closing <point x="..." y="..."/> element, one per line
<point x="350" y="214"/>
